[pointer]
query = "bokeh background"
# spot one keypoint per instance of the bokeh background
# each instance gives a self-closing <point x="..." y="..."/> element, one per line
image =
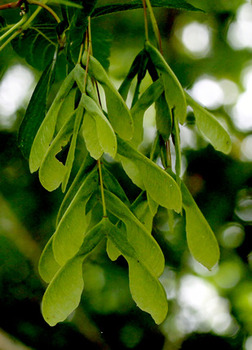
<point x="211" y="53"/>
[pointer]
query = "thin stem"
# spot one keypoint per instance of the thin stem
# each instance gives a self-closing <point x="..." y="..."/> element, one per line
<point x="14" y="27"/>
<point x="31" y="18"/>
<point x="168" y="153"/>
<point x="145" y="21"/>
<point x="13" y="36"/>
<point x="47" y="8"/>
<point x="102" y="189"/>
<point x="11" y="5"/>
<point x="89" y="49"/>
<point x="154" y="25"/>
<point x="80" y="53"/>
<point x="89" y="52"/>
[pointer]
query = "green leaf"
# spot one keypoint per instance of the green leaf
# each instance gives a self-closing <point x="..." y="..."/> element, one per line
<point x="64" y="292"/>
<point x="145" y="288"/>
<point x="147" y="291"/>
<point x="132" y="5"/>
<point x="105" y="134"/>
<point x="200" y="237"/>
<point x="72" y="227"/>
<point x="112" y="251"/>
<point x="79" y="76"/>
<point x="163" y="117"/>
<point x="144" y="211"/>
<point x="132" y="169"/>
<point x="52" y="171"/>
<point x="144" y="244"/>
<point x="116" y="106"/>
<point x="159" y="184"/>
<point x="89" y="131"/>
<point x="66" y="110"/>
<point x="93" y="237"/>
<point x="71" y="152"/>
<point x="35" y="112"/>
<point x="86" y="167"/>
<point x="176" y="138"/>
<point x="48" y="266"/>
<point x="101" y="44"/>
<point x="77" y="25"/>
<point x="210" y="127"/>
<point x="45" y="133"/>
<point x="174" y="92"/>
<point x="118" y="237"/>
<point x="38" y="43"/>
<point x="111" y="183"/>
<point x="133" y="71"/>
<point x="150" y="95"/>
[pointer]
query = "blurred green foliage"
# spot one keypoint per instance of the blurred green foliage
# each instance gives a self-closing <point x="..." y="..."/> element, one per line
<point x="220" y="184"/>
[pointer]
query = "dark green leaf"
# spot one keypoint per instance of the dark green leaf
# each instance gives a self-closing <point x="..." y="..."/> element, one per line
<point x="66" y="3"/>
<point x="77" y="21"/>
<point x="35" y="112"/>
<point x="134" y="69"/>
<point x="112" y="184"/>
<point x="38" y="43"/>
<point x="163" y="117"/>
<point x="136" y="4"/>
<point x="101" y="43"/>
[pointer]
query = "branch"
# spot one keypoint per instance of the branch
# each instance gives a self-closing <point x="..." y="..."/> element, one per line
<point x="12" y="5"/>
